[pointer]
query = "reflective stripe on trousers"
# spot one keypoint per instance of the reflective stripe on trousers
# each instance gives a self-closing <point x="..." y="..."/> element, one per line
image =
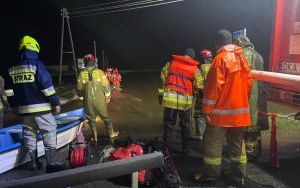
<point x="45" y="124"/>
<point x="214" y="139"/>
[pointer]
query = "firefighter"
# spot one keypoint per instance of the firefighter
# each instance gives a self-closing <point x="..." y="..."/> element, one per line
<point x="116" y="79"/>
<point x="258" y="100"/>
<point x="95" y="88"/>
<point x="3" y="101"/>
<point x="33" y="97"/>
<point x="226" y="106"/>
<point x="180" y="78"/>
<point x="205" y="59"/>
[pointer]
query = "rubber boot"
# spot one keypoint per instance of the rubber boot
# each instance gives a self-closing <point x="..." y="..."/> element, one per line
<point x="110" y="129"/>
<point x="51" y="166"/>
<point x="35" y="163"/>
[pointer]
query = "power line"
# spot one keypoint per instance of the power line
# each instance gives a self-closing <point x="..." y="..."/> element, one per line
<point x="127" y="9"/>
<point x="99" y="4"/>
<point x="118" y="6"/>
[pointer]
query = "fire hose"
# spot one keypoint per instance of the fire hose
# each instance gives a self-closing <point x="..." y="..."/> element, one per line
<point x="77" y="157"/>
<point x="78" y="154"/>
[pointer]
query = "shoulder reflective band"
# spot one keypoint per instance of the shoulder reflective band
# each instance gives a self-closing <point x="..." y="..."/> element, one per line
<point x="34" y="108"/>
<point x="9" y="92"/>
<point x="96" y="74"/>
<point x="208" y="101"/>
<point x="49" y="91"/>
<point x="22" y="69"/>
<point x="84" y="76"/>
<point x="231" y="112"/>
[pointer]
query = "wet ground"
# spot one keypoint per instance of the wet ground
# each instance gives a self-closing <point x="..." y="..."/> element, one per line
<point x="136" y="113"/>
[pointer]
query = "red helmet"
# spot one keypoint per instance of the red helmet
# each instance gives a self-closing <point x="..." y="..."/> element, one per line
<point x="206" y="53"/>
<point x="89" y="58"/>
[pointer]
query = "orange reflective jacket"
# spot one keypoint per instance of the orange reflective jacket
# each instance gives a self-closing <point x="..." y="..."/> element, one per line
<point x="228" y="85"/>
<point x="182" y="74"/>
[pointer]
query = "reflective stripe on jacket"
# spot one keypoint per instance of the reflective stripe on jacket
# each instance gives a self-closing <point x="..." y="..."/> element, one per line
<point x="228" y="85"/>
<point x="177" y="100"/>
<point x="181" y="74"/>
<point x="28" y="109"/>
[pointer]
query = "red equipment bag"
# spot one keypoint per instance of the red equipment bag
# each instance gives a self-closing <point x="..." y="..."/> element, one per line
<point x="130" y="151"/>
<point x="120" y="153"/>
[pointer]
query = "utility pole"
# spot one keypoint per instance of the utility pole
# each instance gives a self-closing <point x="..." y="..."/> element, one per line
<point x="66" y="17"/>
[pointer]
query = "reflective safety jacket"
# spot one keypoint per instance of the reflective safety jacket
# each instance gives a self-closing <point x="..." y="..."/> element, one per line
<point x="94" y="85"/>
<point x="174" y="79"/>
<point x="227" y="90"/>
<point x="31" y="89"/>
<point x="181" y="74"/>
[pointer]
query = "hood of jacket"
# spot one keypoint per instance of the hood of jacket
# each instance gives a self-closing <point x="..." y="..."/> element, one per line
<point x="243" y="42"/>
<point x="28" y="54"/>
<point x="231" y="48"/>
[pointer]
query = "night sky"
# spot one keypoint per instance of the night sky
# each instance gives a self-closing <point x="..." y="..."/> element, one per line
<point x="137" y="39"/>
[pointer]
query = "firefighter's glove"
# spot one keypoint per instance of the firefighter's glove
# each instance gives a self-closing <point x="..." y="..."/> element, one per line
<point x="207" y="118"/>
<point x="56" y="109"/>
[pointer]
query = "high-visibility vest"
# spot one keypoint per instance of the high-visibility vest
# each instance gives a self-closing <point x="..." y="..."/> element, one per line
<point x="181" y="74"/>
<point x="95" y="76"/>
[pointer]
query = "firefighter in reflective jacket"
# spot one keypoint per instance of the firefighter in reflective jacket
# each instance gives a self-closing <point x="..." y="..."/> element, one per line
<point x="33" y="96"/>
<point x="200" y="122"/>
<point x="226" y="105"/>
<point x="94" y="86"/>
<point x="180" y="78"/>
